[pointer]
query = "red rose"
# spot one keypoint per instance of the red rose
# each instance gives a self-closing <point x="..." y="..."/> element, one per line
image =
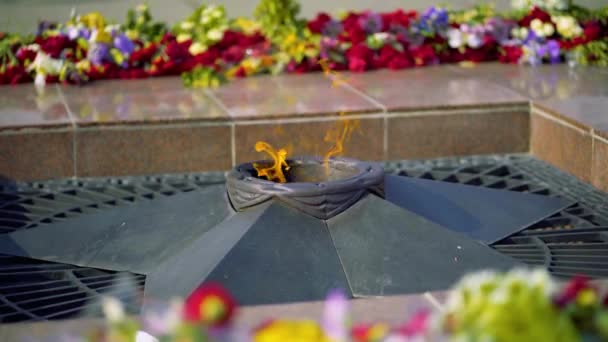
<point x="167" y="38"/>
<point x="386" y="54"/>
<point x="143" y="55"/>
<point x="536" y="13"/>
<point x="592" y="31"/>
<point x="14" y="74"/>
<point x="25" y="54"/>
<point x="318" y="24"/>
<point x="424" y="55"/>
<point x="359" y="57"/>
<point x="400" y="61"/>
<point x="510" y="54"/>
<point x="209" y="304"/>
<point x="240" y="72"/>
<point x="571" y="290"/>
<point x="397" y="18"/>
<point x="353" y="32"/>
<point x="208" y="58"/>
<point x="178" y="51"/>
<point x="233" y="54"/>
<point x="54" y="45"/>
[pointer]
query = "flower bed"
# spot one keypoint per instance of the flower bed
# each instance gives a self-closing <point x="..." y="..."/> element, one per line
<point x="521" y="305"/>
<point x="208" y="48"/>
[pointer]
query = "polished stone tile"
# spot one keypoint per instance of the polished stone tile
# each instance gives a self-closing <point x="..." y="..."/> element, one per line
<point x="544" y="82"/>
<point x="599" y="171"/>
<point x="164" y="101"/>
<point x="430" y="88"/>
<point x="307" y="138"/>
<point x="161" y="149"/>
<point x="566" y="147"/>
<point x="26" y="106"/>
<point x="41" y="155"/>
<point x="390" y="310"/>
<point x="586" y="111"/>
<point x="432" y="136"/>
<point x="289" y="95"/>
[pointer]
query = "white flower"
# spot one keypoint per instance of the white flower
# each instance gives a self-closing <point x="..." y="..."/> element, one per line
<point x="40" y="80"/>
<point x="43" y="63"/>
<point x="112" y="309"/>
<point x="143" y="336"/>
<point x="455" y="38"/>
<point x="548" y="29"/>
<point x="186" y="25"/>
<point x="196" y="48"/>
<point x="215" y="34"/>
<point x="474" y="40"/>
<point x="567" y="26"/>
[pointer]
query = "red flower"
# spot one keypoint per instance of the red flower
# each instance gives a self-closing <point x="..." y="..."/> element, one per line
<point x="14" y="74"/>
<point x="143" y="55"/>
<point x="54" y="45"/>
<point x="25" y="54"/>
<point x="353" y="32"/>
<point x="424" y="55"/>
<point x="401" y="61"/>
<point x="178" y="51"/>
<point x="207" y="58"/>
<point x="592" y="31"/>
<point x="359" y="57"/>
<point x="240" y="72"/>
<point x="318" y="24"/>
<point x="233" y="54"/>
<point x="209" y="304"/>
<point x="510" y="54"/>
<point x="397" y="18"/>
<point x="536" y="13"/>
<point x="417" y="325"/>
<point x="571" y="290"/>
<point x="168" y="37"/>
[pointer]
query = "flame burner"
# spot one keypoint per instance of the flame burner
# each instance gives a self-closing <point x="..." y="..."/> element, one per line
<point x="312" y="187"/>
<point x="349" y="226"/>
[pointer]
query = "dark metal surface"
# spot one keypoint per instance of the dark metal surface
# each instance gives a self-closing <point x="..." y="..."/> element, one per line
<point x="387" y="250"/>
<point x="312" y="189"/>
<point x="286" y="256"/>
<point x="570" y="242"/>
<point x="134" y="238"/>
<point x="486" y="215"/>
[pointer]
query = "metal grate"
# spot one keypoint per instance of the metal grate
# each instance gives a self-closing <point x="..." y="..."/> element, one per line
<point x="571" y="242"/>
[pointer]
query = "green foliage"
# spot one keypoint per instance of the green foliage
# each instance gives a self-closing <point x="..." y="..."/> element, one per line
<point x="203" y="77"/>
<point x="205" y="26"/>
<point x="583" y="14"/>
<point x="140" y="24"/>
<point x="476" y="15"/>
<point x="278" y="18"/>
<point x="593" y="53"/>
<point x="507" y="307"/>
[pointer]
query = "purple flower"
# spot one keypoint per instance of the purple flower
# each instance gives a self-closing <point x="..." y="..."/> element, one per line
<point x="335" y="316"/>
<point x="434" y="20"/>
<point x="45" y="25"/>
<point x="332" y="29"/>
<point x="499" y="29"/>
<point x="551" y="50"/>
<point x="78" y="32"/>
<point x="371" y="22"/>
<point x="330" y="49"/>
<point x="123" y="43"/>
<point x="98" y="52"/>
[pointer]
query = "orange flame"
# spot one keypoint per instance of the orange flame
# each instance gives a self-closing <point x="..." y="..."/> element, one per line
<point x="274" y="172"/>
<point x="339" y="135"/>
<point x="337" y="78"/>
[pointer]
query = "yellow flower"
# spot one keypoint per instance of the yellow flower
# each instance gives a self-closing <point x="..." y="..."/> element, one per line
<point x="291" y="331"/>
<point x="246" y="25"/>
<point x="93" y="20"/>
<point x="196" y="48"/>
<point x="83" y="65"/>
<point x="183" y="37"/>
<point x="132" y="34"/>
<point x="186" y="25"/>
<point x="586" y="297"/>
